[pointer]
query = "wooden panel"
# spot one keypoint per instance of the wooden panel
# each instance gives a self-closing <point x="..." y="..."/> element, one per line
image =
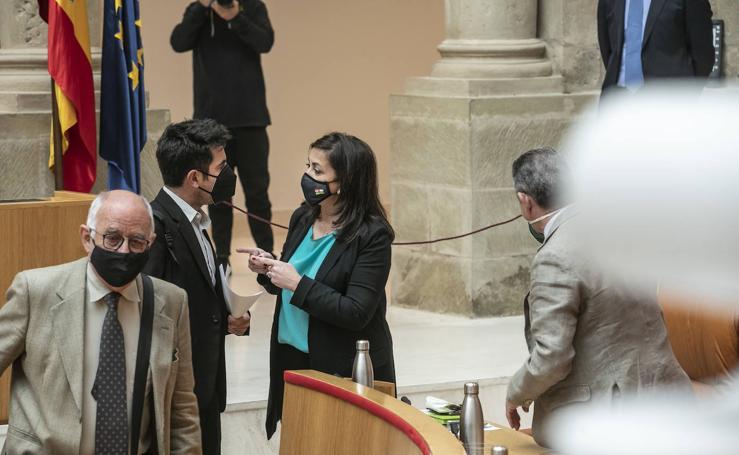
<point x="38" y="234"/>
<point x="315" y="422"/>
<point x="383" y="386"/>
<point x="517" y="442"/>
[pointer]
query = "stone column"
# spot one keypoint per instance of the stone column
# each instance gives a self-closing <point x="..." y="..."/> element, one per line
<point x="492" y="39"/>
<point x="25" y="104"/>
<point x="25" y="98"/>
<point x="454" y="134"/>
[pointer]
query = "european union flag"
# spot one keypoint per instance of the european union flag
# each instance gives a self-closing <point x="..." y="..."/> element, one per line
<point x="122" y="98"/>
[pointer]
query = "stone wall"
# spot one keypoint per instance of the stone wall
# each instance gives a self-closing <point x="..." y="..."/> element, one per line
<point x="25" y="106"/>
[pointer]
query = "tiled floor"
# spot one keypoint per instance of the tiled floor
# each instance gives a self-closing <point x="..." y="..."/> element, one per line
<point x="429" y="348"/>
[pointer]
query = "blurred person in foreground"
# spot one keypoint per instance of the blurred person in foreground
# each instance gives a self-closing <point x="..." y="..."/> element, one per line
<point x="227" y="40"/>
<point x="330" y="281"/>
<point x="591" y="338"/>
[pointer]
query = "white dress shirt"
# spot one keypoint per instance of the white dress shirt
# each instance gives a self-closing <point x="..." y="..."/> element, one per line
<point x="129" y="316"/>
<point x="200" y="222"/>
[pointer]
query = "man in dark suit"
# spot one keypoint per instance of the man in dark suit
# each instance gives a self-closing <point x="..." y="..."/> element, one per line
<point x="193" y="164"/>
<point x="654" y="39"/>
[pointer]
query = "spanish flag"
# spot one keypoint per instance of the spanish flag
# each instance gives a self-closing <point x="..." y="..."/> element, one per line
<point x="70" y="66"/>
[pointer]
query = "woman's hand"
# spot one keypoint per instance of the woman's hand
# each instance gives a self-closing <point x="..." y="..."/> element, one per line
<point x="282" y="274"/>
<point x="253" y="254"/>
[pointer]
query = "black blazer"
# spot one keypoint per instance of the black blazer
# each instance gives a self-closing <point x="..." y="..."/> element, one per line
<point x="346" y="302"/>
<point x="176" y="257"/>
<point x="678" y="39"/>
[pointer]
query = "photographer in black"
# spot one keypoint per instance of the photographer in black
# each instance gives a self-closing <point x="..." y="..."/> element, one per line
<point x="227" y="38"/>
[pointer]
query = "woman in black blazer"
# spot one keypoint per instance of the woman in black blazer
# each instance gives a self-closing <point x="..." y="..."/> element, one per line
<point x="333" y="270"/>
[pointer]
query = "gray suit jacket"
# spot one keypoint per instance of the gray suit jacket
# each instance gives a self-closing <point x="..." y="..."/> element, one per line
<point x="41" y="334"/>
<point x="590" y="337"/>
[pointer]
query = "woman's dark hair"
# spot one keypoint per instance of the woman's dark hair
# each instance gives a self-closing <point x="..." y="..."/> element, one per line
<point x="356" y="172"/>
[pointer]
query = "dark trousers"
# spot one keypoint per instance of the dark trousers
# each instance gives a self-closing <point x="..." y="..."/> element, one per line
<point x="247" y="152"/>
<point x="290" y="359"/>
<point x="210" y="427"/>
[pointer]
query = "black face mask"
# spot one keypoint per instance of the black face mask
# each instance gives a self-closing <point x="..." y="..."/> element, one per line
<point x="539" y="236"/>
<point x="314" y="191"/>
<point x="118" y="269"/>
<point x="225" y="186"/>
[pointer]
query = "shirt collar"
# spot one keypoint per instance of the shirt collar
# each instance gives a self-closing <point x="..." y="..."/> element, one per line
<point x="197" y="217"/>
<point x="550" y="224"/>
<point x="97" y="289"/>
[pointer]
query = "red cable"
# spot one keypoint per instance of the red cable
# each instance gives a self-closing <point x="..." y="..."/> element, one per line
<point x="424" y="242"/>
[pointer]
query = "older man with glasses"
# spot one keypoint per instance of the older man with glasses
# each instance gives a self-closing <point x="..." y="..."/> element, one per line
<point x="88" y="340"/>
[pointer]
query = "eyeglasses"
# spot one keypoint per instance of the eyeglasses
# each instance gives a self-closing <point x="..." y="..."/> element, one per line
<point x="114" y="241"/>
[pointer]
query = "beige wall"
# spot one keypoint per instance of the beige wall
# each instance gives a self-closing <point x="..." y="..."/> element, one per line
<point x="333" y="66"/>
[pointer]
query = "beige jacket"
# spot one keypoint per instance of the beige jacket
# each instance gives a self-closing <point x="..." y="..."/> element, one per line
<point x="590" y="338"/>
<point x="41" y="334"/>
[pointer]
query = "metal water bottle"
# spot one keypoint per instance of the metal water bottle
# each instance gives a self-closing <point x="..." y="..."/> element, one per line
<point x="471" y="422"/>
<point x="362" y="372"/>
<point x="499" y="450"/>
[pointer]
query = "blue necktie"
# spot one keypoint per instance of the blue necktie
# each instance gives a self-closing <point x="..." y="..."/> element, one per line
<point x="634" y="77"/>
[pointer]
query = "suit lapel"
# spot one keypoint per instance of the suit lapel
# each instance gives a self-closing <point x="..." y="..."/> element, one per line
<point x="333" y="255"/>
<point x="162" y="356"/>
<point x="186" y="231"/>
<point x="619" y="9"/>
<point x="654" y="11"/>
<point x="69" y="327"/>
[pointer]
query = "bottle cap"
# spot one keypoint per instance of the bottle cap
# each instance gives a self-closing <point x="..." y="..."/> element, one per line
<point x="471" y="387"/>
<point x="362" y="345"/>
<point x="499" y="450"/>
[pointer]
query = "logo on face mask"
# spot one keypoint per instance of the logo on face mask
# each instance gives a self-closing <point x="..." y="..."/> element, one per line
<point x="314" y="191"/>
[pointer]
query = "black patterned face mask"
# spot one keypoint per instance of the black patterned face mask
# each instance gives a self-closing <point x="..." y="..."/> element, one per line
<point x="314" y="191"/>
<point x="225" y="186"/>
<point x="118" y="269"/>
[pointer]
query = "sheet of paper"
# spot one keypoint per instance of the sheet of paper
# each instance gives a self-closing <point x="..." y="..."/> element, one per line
<point x="237" y="304"/>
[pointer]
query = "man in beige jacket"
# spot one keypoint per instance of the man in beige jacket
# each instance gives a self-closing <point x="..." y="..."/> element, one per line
<point x="71" y="333"/>
<point x="591" y="338"/>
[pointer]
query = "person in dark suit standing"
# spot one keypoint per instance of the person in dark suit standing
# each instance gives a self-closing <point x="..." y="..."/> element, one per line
<point x="642" y="40"/>
<point x="227" y="40"/>
<point x="193" y="164"/>
<point x="330" y="281"/>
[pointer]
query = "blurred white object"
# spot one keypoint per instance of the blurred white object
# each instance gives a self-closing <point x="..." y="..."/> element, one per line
<point x="659" y="425"/>
<point x="656" y="179"/>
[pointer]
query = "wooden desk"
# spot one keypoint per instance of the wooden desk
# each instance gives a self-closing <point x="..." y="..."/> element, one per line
<point x="38" y="234"/>
<point x="517" y="443"/>
<point x="325" y="415"/>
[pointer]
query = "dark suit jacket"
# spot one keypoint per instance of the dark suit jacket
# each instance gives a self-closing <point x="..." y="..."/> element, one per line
<point x="678" y="39"/>
<point x="176" y="257"/>
<point x="346" y="302"/>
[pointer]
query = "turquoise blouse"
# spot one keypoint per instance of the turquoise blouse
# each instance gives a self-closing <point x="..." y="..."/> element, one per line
<point x="307" y="259"/>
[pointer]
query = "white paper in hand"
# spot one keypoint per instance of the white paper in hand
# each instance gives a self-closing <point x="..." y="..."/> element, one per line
<point x="237" y="304"/>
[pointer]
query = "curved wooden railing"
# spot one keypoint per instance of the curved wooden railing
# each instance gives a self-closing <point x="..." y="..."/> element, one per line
<point x="324" y="414"/>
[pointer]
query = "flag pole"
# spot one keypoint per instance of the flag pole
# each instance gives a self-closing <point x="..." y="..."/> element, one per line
<point x="56" y="136"/>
